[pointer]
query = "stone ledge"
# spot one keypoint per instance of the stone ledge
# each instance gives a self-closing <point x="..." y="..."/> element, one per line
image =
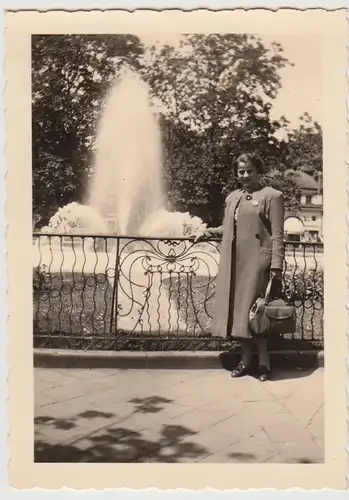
<point x="52" y="358"/>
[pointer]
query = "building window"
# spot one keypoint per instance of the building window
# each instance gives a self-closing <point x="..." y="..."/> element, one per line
<point x="314" y="235"/>
<point x="317" y="200"/>
<point x="308" y="199"/>
<point x="294" y="237"/>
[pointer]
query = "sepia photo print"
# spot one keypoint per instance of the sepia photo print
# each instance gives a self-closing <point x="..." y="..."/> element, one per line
<point x="181" y="238"/>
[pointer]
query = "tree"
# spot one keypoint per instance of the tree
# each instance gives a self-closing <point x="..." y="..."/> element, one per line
<point x="70" y="77"/>
<point x="304" y="147"/>
<point x="215" y="94"/>
<point x="214" y="98"/>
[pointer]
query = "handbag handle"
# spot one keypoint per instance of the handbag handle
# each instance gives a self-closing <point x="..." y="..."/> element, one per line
<point x="268" y="290"/>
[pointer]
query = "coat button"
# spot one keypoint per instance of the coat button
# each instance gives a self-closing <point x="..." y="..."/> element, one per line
<point x="257" y="236"/>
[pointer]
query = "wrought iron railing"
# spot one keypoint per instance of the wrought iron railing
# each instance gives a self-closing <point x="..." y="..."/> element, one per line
<point x="104" y="292"/>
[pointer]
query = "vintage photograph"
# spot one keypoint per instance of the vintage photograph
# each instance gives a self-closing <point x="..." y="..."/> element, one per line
<point x="177" y="206"/>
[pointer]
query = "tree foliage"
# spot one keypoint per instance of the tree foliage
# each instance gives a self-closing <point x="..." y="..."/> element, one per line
<point x="304" y="148"/>
<point x="217" y="93"/>
<point x="70" y="76"/>
<point x="214" y="98"/>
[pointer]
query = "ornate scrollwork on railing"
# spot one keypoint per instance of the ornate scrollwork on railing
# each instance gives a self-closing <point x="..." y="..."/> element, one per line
<point x="161" y="278"/>
<point x="95" y="288"/>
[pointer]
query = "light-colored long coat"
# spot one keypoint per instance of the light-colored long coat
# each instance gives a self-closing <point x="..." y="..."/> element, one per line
<point x="248" y="252"/>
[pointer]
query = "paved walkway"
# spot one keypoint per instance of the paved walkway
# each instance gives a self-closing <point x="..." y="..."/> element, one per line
<point x="161" y="415"/>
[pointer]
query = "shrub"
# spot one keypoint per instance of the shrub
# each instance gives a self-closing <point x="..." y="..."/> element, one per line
<point x="303" y="286"/>
<point x="74" y="217"/>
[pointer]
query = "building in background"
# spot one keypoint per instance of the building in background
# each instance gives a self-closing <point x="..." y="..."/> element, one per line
<point x="306" y="224"/>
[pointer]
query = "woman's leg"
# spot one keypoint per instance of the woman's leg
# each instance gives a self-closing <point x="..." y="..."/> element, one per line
<point x="263" y="358"/>
<point x="246" y="357"/>
<point x="246" y="352"/>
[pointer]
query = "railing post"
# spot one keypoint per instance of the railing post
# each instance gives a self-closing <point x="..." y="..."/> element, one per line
<point x="114" y="304"/>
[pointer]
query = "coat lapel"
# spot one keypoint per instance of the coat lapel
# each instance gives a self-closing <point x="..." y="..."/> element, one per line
<point x="232" y="204"/>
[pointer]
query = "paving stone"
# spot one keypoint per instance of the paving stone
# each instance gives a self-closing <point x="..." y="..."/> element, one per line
<point x="215" y="458"/>
<point x="66" y="392"/>
<point x="97" y="423"/>
<point x="96" y="374"/>
<point x="103" y="403"/>
<point x="194" y="400"/>
<point x="316" y="426"/>
<point x="183" y="451"/>
<point x="151" y="440"/>
<point x="223" y="404"/>
<point x="181" y="389"/>
<point x="281" y="432"/>
<point x="256" y="394"/>
<point x="136" y="422"/>
<point x="199" y="420"/>
<point x="172" y="432"/>
<point x="306" y="451"/>
<point x="42" y="385"/>
<point x="255" y="449"/>
<point x="176" y="409"/>
<point x="283" y="388"/>
<point x="302" y="407"/>
<point x="276" y="459"/>
<point x="211" y="440"/>
<point x="237" y="428"/>
<point x="267" y="411"/>
<point x="110" y="391"/>
<point x="52" y="376"/>
<point x="140" y="421"/>
<point x="168" y="378"/>
<point x="42" y="400"/>
<point x="116" y="444"/>
<point x="69" y="408"/>
<point x="59" y="432"/>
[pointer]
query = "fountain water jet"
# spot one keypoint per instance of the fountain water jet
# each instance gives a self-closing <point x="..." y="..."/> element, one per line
<point x="127" y="183"/>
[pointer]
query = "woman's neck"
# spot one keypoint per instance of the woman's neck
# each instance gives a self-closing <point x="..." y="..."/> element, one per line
<point x="252" y="188"/>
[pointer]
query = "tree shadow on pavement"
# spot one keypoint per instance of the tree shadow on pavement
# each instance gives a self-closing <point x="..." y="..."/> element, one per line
<point x="118" y="444"/>
<point x="307" y="461"/>
<point x="70" y="423"/>
<point x="242" y="457"/>
<point x="59" y="423"/>
<point x="151" y="404"/>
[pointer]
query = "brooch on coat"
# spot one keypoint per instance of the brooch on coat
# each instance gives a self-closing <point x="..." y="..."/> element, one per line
<point x="254" y="202"/>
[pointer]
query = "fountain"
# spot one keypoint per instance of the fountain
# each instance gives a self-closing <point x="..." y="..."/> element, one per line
<point x="127" y="183"/>
<point x="126" y="197"/>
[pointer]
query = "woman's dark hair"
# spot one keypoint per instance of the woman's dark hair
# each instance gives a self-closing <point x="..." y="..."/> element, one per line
<point x="254" y="159"/>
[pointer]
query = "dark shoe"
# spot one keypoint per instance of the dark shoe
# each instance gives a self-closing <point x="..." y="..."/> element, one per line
<point x="264" y="374"/>
<point x="239" y="371"/>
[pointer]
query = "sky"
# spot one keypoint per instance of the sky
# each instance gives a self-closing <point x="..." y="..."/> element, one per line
<point x="301" y="83"/>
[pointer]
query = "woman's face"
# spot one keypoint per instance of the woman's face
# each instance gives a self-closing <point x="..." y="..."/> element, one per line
<point x="247" y="174"/>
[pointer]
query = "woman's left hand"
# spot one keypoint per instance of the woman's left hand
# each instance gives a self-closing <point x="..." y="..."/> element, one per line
<point x="276" y="273"/>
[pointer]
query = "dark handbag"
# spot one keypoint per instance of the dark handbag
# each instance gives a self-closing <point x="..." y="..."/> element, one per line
<point x="268" y="317"/>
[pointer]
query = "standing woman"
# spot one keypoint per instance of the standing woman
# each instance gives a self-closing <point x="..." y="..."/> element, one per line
<point x="252" y="251"/>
